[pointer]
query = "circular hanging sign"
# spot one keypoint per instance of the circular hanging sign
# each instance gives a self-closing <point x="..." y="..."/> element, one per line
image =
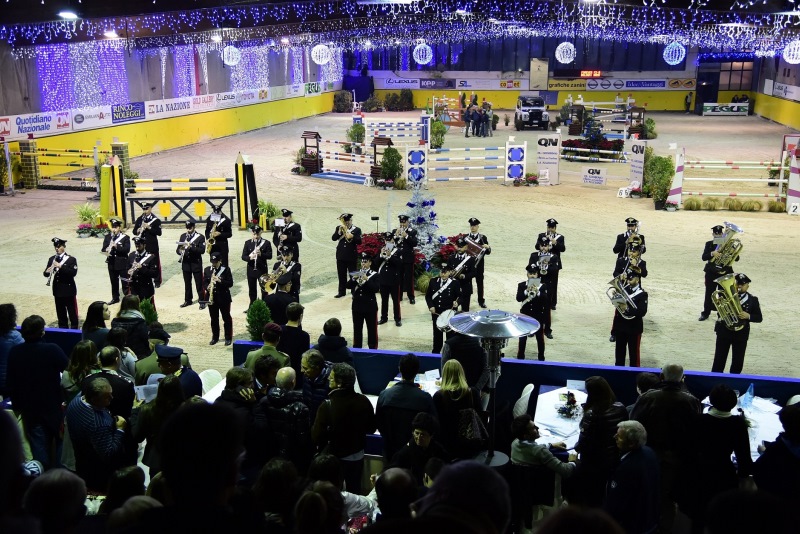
<point x="674" y="53"/>
<point x="231" y="55"/>
<point x="565" y="52"/>
<point x="791" y="54"/>
<point x="423" y="54"/>
<point x="321" y="54"/>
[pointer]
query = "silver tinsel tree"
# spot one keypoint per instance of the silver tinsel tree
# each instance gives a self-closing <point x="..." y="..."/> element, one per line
<point x="423" y="219"/>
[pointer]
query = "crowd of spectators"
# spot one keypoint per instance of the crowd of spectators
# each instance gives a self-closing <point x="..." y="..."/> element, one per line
<point x="272" y="454"/>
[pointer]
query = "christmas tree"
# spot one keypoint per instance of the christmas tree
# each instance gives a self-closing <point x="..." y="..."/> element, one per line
<point x="593" y="130"/>
<point x="423" y="219"/>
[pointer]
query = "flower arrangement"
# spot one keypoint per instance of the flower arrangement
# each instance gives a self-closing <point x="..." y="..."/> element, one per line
<point x="100" y="230"/>
<point x="671" y="205"/>
<point x="251" y="223"/>
<point x="389" y="183"/>
<point x="298" y="169"/>
<point x="570" y="408"/>
<point x="371" y="243"/>
<point x="518" y="182"/>
<point x="531" y="178"/>
<point x="636" y="192"/>
<point x="84" y="229"/>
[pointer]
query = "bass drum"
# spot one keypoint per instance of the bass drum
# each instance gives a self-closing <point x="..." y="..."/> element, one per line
<point x="443" y="321"/>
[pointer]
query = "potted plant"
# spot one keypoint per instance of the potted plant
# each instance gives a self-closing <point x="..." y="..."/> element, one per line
<point x="495" y="120"/>
<point x="636" y="192"/>
<point x="380" y="182"/>
<point x="348" y="148"/>
<point x="85" y="230"/>
<point x="389" y="184"/>
<point x="518" y="182"/>
<point x="267" y="212"/>
<point x="355" y="134"/>
<point x="658" y="172"/>
<point x="298" y="169"/>
<point x="531" y="179"/>
<point x="100" y="230"/>
<point x="438" y="131"/>
<point x="87" y="217"/>
<point x="670" y="205"/>
<point x="506" y="119"/>
<point x="391" y="166"/>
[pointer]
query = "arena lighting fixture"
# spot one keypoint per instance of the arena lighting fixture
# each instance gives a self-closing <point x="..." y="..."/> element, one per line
<point x="216" y="38"/>
<point x="67" y="14"/>
<point x="565" y="52"/>
<point x="791" y="54"/>
<point x="674" y="53"/>
<point x="111" y="34"/>
<point x="284" y="40"/>
<point x="423" y="54"/>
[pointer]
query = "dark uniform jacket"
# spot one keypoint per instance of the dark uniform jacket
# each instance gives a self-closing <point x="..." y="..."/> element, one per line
<point x="481" y="240"/>
<point x="623" y="263"/>
<point x="193" y="257"/>
<point x="150" y="233"/>
<point x="277" y="302"/>
<point x="622" y="242"/>
<point x="538" y="306"/>
<point x="633" y="324"/>
<point x="222" y="289"/>
<point x="346" y="250"/>
<point x="295" y="269"/>
<point x="750" y="305"/>
<point x="344" y="422"/>
<point x="364" y="295"/>
<point x="225" y="230"/>
<point x="141" y="281"/>
<point x="445" y="299"/>
<point x="117" y="255"/>
<point x="558" y="245"/>
<point x="63" y="283"/>
<point x="390" y="270"/>
<point x="467" y="272"/>
<point x="712" y="271"/>
<point x="406" y="243"/>
<point x="257" y="267"/>
<point x="293" y="233"/>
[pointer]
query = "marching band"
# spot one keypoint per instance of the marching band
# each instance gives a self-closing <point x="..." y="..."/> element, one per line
<point x="391" y="273"/>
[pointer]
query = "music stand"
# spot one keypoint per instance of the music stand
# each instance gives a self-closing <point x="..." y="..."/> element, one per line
<point x="494" y="328"/>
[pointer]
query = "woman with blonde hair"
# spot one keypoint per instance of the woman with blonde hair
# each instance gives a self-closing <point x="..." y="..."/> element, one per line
<point x="453" y="397"/>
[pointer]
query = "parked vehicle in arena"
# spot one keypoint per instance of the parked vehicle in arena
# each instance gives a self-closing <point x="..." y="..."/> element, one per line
<point x="531" y="112"/>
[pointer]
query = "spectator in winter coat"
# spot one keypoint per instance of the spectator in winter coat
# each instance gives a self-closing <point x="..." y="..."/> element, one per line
<point x="331" y="343"/>
<point x="316" y="385"/>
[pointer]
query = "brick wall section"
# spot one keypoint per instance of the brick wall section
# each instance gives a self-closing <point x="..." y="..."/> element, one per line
<point x="30" y="163"/>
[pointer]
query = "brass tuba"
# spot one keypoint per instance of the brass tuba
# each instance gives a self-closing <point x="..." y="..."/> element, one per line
<point x="619" y="297"/>
<point x="726" y="300"/>
<point x="730" y="248"/>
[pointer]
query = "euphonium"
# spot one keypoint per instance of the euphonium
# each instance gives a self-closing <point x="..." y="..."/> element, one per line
<point x="544" y="263"/>
<point x="730" y="248"/>
<point x="619" y="297"/>
<point x="726" y="300"/>
<point x="211" y="241"/>
<point x="269" y="282"/>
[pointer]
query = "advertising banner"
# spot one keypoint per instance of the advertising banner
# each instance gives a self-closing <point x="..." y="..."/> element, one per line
<point x="313" y="88"/>
<point x="637" y="161"/>
<point x="575" y="84"/>
<point x="476" y="84"/>
<point x="396" y="83"/>
<point x="263" y="95"/>
<point x="16" y="126"/>
<point x="437" y="83"/>
<point x="513" y="84"/>
<point x="594" y="175"/>
<point x="294" y="90"/>
<point x="204" y="103"/>
<point x="84" y="119"/>
<point x="122" y="113"/>
<point x="245" y="98"/>
<point x="171" y="107"/>
<point x="710" y="108"/>
<point x="226" y="100"/>
<point x="782" y="90"/>
<point x="548" y="155"/>
<point x="622" y="84"/>
<point x="538" y="74"/>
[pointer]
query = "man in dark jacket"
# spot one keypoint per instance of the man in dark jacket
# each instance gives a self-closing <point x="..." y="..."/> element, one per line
<point x="34" y="385"/>
<point x="316" y="384"/>
<point x="669" y="413"/>
<point x="121" y="387"/>
<point x="472" y="357"/>
<point x="219" y="228"/>
<point x="348" y="237"/>
<point x="365" y="305"/>
<point x="342" y="424"/>
<point x="331" y="343"/>
<point x="116" y="247"/>
<point x="239" y="395"/>
<point x="778" y="469"/>
<point x="390" y="273"/>
<point x="398" y="405"/>
<point x="421" y="447"/>
<point x="283" y="420"/>
<point x="294" y="340"/>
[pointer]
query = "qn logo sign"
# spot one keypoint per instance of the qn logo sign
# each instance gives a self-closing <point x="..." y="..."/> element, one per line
<point x="5" y="126"/>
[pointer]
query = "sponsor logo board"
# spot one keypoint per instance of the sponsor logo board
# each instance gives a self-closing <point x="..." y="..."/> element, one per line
<point x="84" y="119"/>
<point x="575" y="84"/>
<point x="204" y="102"/>
<point x="475" y="84"/>
<point x="790" y="92"/>
<point x="130" y="112"/>
<point x="32" y="123"/>
<point x="726" y="109"/>
<point x="172" y="107"/>
<point x="437" y="83"/>
<point x="313" y="88"/>
<point x="396" y="83"/>
<point x="226" y="100"/>
<point x="594" y="175"/>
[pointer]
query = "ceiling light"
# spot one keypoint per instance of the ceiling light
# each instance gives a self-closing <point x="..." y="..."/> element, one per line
<point x="285" y="40"/>
<point x="68" y="14"/>
<point x="111" y="34"/>
<point x="216" y="38"/>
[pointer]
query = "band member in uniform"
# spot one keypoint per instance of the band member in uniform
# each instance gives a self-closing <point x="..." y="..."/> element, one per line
<point x="142" y="269"/>
<point x="348" y="237"/>
<point x="278" y="300"/>
<point x="632" y="235"/>
<point x="256" y="252"/>
<point x="288" y="235"/>
<point x="629" y="324"/>
<point x="549" y="264"/>
<point x="116" y="246"/>
<point x="190" y="249"/>
<point x="557" y="246"/>
<point x="218" y="230"/>
<point x="364" y="285"/>
<point x="465" y="274"/>
<point x="390" y="273"/>
<point x="479" y="238"/>
<point x="288" y="265"/>
<point x="633" y="258"/>
<point x="60" y="273"/>
<point x="735" y="337"/>
<point x="148" y="226"/>
<point x="712" y="271"/>
<point x="217" y="283"/>
<point x="442" y="294"/>
<point x="406" y="239"/>
<point x="532" y="293"/>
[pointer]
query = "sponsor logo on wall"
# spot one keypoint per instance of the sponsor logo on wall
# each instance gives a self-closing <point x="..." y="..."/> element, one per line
<point x="5" y="126"/>
<point x="725" y="109"/>
<point x="594" y="175"/>
<point x="475" y="84"/>
<point x="397" y="83"/>
<point x="313" y="88"/>
<point x="263" y="94"/>
<point x="133" y="111"/>
<point x="619" y="84"/>
<point x="91" y="118"/>
<point x="63" y="120"/>
<point x="159" y="109"/>
<point x="566" y="85"/>
<point x="790" y="92"/>
<point x="437" y="83"/>
<point x="510" y="84"/>
<point x="226" y="100"/>
<point x="33" y="123"/>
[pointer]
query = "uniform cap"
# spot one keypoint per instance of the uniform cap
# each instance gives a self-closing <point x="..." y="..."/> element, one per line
<point x="138" y="239"/>
<point x="274" y="328"/>
<point x="366" y="256"/>
<point x="256" y="228"/>
<point x="403" y="218"/>
<point x="286" y="250"/>
<point x="286" y="213"/>
<point x="388" y="236"/>
<point x="189" y="224"/>
<point x="146" y="205"/>
<point x="552" y="223"/>
<point x="115" y="223"/>
<point x="633" y="271"/>
<point x="542" y="241"/>
<point x="742" y="278"/>
<point x="635" y="247"/>
<point x="717" y="229"/>
<point x="631" y="221"/>
<point x="445" y="265"/>
<point x="168" y="352"/>
<point x="532" y="268"/>
<point x="216" y="256"/>
<point x="473" y="221"/>
<point x="346" y="216"/>
<point x="284" y="279"/>
<point x="461" y="241"/>
<point x="57" y="242"/>
<point x="217" y="209"/>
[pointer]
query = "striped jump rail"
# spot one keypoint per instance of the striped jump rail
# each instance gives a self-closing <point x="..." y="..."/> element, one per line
<point x="705" y="194"/>
<point x="467" y="149"/>
<point x="372" y="125"/>
<point x="593" y="159"/>
<point x="468" y="158"/>
<point x="178" y="180"/>
<point x="346" y="154"/>
<point x="344" y="158"/>
<point x="485" y="167"/>
<point x="723" y="162"/>
<point x="721" y="179"/>
<point x="177" y="189"/>
<point x="346" y="172"/>
<point x="409" y="129"/>
<point x="62" y="178"/>
<point x="73" y="150"/>
<point x="81" y="165"/>
<point x="468" y="178"/>
<point x="378" y="134"/>
<point x="735" y="167"/>
<point x="342" y="143"/>
<point x="64" y="155"/>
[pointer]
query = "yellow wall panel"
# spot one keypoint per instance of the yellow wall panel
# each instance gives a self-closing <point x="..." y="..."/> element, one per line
<point x="779" y="110"/>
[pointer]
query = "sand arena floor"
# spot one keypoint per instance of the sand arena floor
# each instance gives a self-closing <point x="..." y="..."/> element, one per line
<point x="589" y="217"/>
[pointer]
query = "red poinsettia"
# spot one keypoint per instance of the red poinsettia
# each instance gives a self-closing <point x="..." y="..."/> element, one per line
<point x="371" y="244"/>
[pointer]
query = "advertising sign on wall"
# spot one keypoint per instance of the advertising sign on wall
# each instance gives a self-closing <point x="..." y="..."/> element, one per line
<point x="437" y="83"/>
<point x="475" y="84"/>
<point x="160" y="109"/>
<point x="575" y="84"/>
<point x="790" y="92"/>
<point x="637" y="161"/>
<point x="32" y="123"/>
<point x="313" y="88"/>
<point x="726" y="109"/>
<point x="132" y="111"/>
<point x="594" y="175"/>
<point x="538" y="74"/>
<point x="84" y="119"/>
<point x="548" y="155"/>
<point x="396" y="83"/>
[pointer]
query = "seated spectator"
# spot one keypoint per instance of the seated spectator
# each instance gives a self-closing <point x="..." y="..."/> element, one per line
<point x="117" y="337"/>
<point x="735" y="99"/>
<point x="421" y="448"/>
<point x="275" y="492"/>
<point x="124" y="483"/>
<point x="129" y="515"/>
<point x="320" y="510"/>
<point x="169" y="362"/>
<point x="396" y="490"/>
<point x="149" y="365"/>
<point x="294" y="340"/>
<point x="122" y="388"/>
<point x="632" y="495"/>
<point x="316" y="385"/>
<point x="342" y="424"/>
<point x="157" y="335"/>
<point x="332" y="345"/>
<point x="721" y="433"/>
<point x="467" y="350"/>
<point x="398" y="405"/>
<point x="596" y="444"/>
<point x="56" y="499"/>
<point x="455" y="395"/>
<point x="433" y="467"/>
<point x="525" y="450"/>
<point x="131" y="319"/>
<point x="271" y="336"/>
<point x="265" y="372"/>
<point x="572" y="519"/>
<point x="8" y="338"/>
<point x="34" y="385"/>
<point x="82" y="362"/>
<point x="94" y="326"/>
<point x="97" y="436"/>
<point x="283" y="421"/>
<point x="778" y="469"/>
<point x="148" y="420"/>
<point x="644" y="382"/>
<point x="328" y="468"/>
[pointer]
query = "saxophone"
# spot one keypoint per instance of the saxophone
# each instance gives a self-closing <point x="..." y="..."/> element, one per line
<point x="211" y="286"/>
<point x="726" y="300"/>
<point x="211" y="241"/>
<point x="730" y="248"/>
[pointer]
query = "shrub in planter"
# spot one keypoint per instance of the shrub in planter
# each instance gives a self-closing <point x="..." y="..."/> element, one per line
<point x="257" y="316"/>
<point x="342" y="101"/>
<point x="658" y="172"/>
<point x="438" y="131"/>
<point x="423" y="281"/>
<point x="400" y="183"/>
<point x="752" y="205"/>
<point x="391" y="164"/>
<point x="371" y="104"/>
<point x="650" y="129"/>
<point x="495" y="120"/>
<point x="776" y="206"/>
<point x="711" y="204"/>
<point x="692" y="204"/>
<point x="506" y="119"/>
<point x="406" y="101"/>
<point x="356" y="133"/>
<point x="148" y="311"/>
<point x="392" y="102"/>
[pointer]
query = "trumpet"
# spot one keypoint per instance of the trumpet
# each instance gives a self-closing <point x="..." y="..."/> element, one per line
<point x="184" y="246"/>
<point x="54" y="267"/>
<point x="211" y="241"/>
<point x="359" y="276"/>
<point x="257" y="251"/>
<point x="343" y="228"/>
<point x="544" y="263"/>
<point x="619" y="297"/>
<point x="533" y="290"/>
